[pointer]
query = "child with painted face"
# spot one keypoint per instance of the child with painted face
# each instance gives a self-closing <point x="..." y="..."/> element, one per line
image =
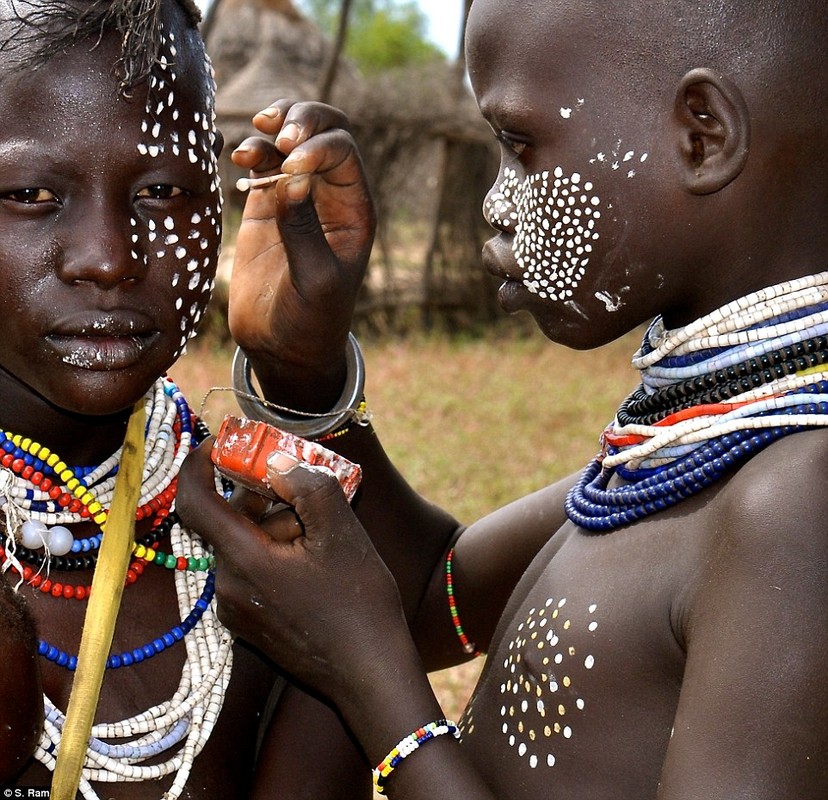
<point x="110" y="224"/>
<point x="656" y="625"/>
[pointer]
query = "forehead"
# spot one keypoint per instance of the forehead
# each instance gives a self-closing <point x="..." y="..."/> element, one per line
<point x="80" y="87"/>
<point x="517" y="49"/>
<point x="50" y="43"/>
<point x="530" y="59"/>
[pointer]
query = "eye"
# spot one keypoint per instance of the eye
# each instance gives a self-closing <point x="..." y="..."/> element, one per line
<point x="31" y="196"/>
<point x="509" y="141"/>
<point x="160" y="191"/>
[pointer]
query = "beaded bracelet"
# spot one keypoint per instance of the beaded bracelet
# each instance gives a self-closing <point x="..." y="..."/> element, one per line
<point x="363" y="416"/>
<point x="407" y="745"/>
<point x="468" y="646"/>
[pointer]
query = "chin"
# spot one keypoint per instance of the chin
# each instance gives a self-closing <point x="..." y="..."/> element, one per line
<point x="99" y="394"/>
<point x="569" y="324"/>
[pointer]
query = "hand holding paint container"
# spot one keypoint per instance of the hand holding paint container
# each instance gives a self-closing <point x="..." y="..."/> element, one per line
<point x="242" y="448"/>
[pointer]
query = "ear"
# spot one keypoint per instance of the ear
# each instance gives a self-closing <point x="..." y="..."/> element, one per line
<point x="715" y="130"/>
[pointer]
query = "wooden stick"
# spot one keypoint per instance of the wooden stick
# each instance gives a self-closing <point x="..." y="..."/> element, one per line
<point x="102" y="611"/>
<point x="243" y="184"/>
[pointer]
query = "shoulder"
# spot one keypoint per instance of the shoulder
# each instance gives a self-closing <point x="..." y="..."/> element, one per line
<point x="779" y="499"/>
<point x="754" y="699"/>
<point x="766" y="543"/>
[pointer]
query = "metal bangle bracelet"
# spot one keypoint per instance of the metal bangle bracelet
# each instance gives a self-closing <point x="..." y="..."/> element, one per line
<point x="305" y="424"/>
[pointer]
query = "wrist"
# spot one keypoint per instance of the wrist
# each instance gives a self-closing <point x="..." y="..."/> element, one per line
<point x="347" y="408"/>
<point x="391" y="698"/>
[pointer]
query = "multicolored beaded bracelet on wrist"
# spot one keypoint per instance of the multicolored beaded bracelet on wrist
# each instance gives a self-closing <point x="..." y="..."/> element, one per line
<point x="468" y="646"/>
<point x="407" y="745"/>
<point x="363" y="417"/>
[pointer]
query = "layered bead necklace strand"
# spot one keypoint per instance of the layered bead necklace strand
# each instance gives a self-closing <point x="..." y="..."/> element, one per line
<point x="711" y="395"/>
<point x="40" y="491"/>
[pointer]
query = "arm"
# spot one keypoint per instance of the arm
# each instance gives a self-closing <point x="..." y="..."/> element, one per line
<point x="301" y="254"/>
<point x="752" y="716"/>
<point x="319" y="601"/>
<point x="307" y="753"/>
<point x="490" y="557"/>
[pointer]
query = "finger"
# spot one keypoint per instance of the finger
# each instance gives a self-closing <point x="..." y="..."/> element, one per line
<point x="293" y="123"/>
<point x="331" y="155"/>
<point x="253" y="505"/>
<point x="256" y="153"/>
<point x="327" y="216"/>
<point x="204" y="511"/>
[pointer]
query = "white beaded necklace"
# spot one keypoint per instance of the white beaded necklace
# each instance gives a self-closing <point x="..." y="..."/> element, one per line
<point x="183" y="724"/>
<point x="737" y="324"/>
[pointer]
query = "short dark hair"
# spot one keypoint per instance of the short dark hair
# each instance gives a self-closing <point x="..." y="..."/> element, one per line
<point x="44" y="28"/>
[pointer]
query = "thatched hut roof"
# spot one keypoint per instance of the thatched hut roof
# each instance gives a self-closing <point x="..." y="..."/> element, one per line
<point x="263" y="50"/>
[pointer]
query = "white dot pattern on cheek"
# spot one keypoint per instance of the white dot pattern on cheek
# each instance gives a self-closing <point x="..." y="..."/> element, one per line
<point x="204" y="227"/>
<point x="540" y="706"/>
<point x="556" y="220"/>
<point x="553" y="219"/>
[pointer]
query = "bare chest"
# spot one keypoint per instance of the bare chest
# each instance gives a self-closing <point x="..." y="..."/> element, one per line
<point x="581" y="686"/>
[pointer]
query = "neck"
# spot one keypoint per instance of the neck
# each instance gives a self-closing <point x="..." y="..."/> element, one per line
<point x="78" y="438"/>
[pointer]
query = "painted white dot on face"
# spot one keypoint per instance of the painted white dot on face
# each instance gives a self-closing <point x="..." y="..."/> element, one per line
<point x="549" y="234"/>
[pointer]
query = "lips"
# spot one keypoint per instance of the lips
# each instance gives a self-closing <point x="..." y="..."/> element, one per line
<point x="498" y="257"/>
<point x="499" y="260"/>
<point x="102" y="341"/>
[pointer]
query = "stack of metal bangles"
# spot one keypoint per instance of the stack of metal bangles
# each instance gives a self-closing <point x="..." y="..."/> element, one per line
<point x="348" y="408"/>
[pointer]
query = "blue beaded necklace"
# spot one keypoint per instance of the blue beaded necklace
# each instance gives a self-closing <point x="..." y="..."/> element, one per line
<point x="664" y="462"/>
<point x="139" y="654"/>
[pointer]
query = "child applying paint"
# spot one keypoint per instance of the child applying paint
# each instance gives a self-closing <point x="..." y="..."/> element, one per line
<point x="656" y="625"/>
<point x="109" y="235"/>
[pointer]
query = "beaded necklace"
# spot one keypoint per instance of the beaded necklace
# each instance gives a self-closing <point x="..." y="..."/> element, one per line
<point x="711" y="395"/>
<point x="180" y="726"/>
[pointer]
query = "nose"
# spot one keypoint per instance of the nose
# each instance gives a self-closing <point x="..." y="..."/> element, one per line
<point x="500" y="204"/>
<point x="101" y="248"/>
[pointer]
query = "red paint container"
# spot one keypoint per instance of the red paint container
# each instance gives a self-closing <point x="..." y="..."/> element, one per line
<point x="242" y="448"/>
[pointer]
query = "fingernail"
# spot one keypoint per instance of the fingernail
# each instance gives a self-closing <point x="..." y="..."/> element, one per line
<point x="242" y="149"/>
<point x="271" y="111"/>
<point x="290" y="132"/>
<point x="280" y="462"/>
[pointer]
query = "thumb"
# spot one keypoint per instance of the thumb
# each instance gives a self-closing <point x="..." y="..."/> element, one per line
<point x="313" y="490"/>
<point x="207" y="513"/>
